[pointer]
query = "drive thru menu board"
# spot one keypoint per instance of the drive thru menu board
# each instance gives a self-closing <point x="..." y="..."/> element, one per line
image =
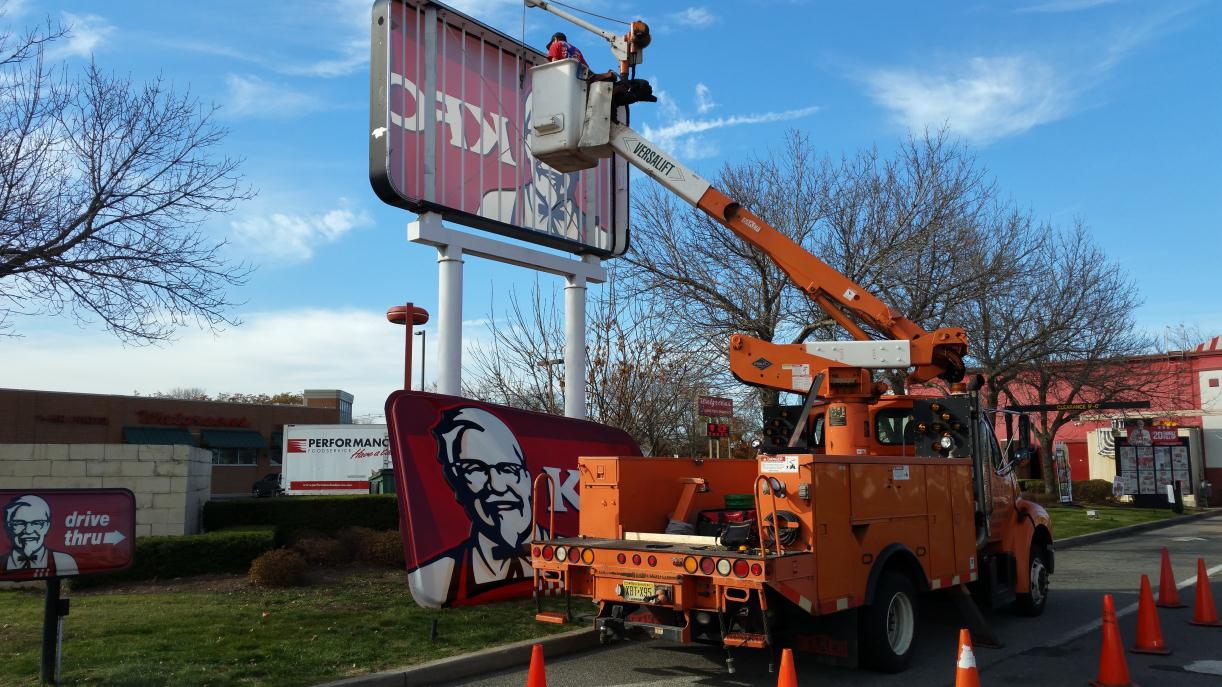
<point x="1150" y="461"/>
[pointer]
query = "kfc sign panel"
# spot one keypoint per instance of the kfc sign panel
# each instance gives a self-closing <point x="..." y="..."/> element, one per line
<point x="464" y="472"/>
<point x="450" y="102"/>
<point x="65" y="532"/>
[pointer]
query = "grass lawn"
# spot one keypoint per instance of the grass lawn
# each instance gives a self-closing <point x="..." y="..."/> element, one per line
<point x="1071" y="521"/>
<point x="220" y="630"/>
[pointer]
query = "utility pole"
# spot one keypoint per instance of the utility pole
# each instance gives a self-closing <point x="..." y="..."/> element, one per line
<point x="423" y="351"/>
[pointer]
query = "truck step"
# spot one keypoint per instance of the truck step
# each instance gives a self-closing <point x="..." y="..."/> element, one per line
<point x="733" y="640"/>
<point x="554" y="617"/>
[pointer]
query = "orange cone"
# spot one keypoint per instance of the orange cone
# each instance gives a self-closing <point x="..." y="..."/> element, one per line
<point x="1168" y="594"/>
<point x="1113" y="671"/>
<point x="1149" y="632"/>
<point x="965" y="664"/>
<point x="787" y="677"/>
<point x="537" y="677"/>
<point x="1205" y="613"/>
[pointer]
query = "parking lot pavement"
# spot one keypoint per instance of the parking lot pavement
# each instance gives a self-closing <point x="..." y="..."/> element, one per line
<point x="1059" y="648"/>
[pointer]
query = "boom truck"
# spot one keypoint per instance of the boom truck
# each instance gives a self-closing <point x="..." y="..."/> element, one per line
<point x="860" y="498"/>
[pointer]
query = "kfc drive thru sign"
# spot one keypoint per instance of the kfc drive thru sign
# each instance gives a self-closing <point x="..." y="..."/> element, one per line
<point x="62" y="532"/>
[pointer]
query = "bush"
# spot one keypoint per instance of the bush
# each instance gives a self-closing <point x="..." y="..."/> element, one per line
<point x="162" y="557"/>
<point x="278" y="568"/>
<point x="322" y="550"/>
<point x="353" y="540"/>
<point x="290" y="514"/>
<point x="1031" y="486"/>
<point x="1092" y="491"/>
<point x="382" y="548"/>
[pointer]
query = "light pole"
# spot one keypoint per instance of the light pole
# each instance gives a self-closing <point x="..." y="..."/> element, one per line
<point x="423" y="351"/>
<point x="547" y="365"/>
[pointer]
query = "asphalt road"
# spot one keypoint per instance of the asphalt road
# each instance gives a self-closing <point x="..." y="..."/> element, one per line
<point x="1059" y="648"/>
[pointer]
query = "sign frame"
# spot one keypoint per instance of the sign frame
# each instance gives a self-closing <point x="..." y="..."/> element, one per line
<point x="578" y="193"/>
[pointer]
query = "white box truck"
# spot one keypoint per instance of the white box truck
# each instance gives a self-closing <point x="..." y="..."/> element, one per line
<point x="332" y="459"/>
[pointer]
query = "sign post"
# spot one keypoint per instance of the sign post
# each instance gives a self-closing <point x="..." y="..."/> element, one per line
<point x="54" y="533"/>
<point x="1064" y="479"/>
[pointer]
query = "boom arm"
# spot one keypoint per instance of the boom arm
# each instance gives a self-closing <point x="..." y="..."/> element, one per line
<point x="934" y="354"/>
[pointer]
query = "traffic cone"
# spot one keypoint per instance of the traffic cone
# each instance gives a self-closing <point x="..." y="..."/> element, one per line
<point x="965" y="664"/>
<point x="1113" y="671"/>
<point x="787" y="677"/>
<point x="1168" y="594"/>
<point x="1149" y="632"/>
<point x="537" y="677"/>
<point x="1205" y="613"/>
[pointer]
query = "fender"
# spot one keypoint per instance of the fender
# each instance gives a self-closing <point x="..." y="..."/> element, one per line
<point x="906" y="561"/>
<point x="1038" y="516"/>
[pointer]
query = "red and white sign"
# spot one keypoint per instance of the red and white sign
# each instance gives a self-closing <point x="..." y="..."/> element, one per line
<point x="465" y="473"/>
<point x="65" y="532"/>
<point x="332" y="459"/>
<point x="1164" y="437"/>
<point x="716" y="406"/>
<point x="448" y="135"/>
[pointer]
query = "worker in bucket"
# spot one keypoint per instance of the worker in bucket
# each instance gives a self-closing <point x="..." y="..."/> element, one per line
<point x="559" y="48"/>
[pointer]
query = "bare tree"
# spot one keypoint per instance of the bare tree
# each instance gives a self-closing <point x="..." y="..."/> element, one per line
<point x="104" y="184"/>
<point x="195" y="393"/>
<point x="1184" y="337"/>
<point x="640" y="376"/>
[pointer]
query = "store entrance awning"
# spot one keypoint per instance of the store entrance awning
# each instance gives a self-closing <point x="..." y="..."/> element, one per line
<point x="232" y="438"/>
<point x="157" y="435"/>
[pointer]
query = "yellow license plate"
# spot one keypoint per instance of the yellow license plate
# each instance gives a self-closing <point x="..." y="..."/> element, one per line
<point x="638" y="591"/>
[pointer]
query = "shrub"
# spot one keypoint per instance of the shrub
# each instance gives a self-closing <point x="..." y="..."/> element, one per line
<point x="322" y="550"/>
<point x="278" y="568"/>
<point x="162" y="557"/>
<point x="382" y="548"/>
<point x="1031" y="486"/>
<point x="1092" y="491"/>
<point x="294" y="513"/>
<point x="353" y="540"/>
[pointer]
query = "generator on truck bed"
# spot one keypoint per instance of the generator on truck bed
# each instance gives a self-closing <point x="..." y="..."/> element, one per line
<point x="863" y="498"/>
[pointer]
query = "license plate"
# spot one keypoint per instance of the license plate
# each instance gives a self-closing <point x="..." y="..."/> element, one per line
<point x="638" y="591"/>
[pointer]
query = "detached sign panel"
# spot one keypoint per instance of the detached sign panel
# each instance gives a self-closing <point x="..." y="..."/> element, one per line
<point x="65" y="532"/>
<point x="450" y="103"/>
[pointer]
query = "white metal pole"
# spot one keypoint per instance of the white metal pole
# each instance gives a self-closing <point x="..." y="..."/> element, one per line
<point x="575" y="346"/>
<point x="449" y="319"/>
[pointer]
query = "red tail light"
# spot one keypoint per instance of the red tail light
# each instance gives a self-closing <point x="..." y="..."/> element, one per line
<point x="741" y="568"/>
<point x="636" y="559"/>
<point x="536" y="552"/>
<point x="757" y="569"/>
<point x="652" y="561"/>
<point x="707" y="566"/>
<point x="547" y="553"/>
<point x="575" y="555"/>
<point x="621" y="558"/>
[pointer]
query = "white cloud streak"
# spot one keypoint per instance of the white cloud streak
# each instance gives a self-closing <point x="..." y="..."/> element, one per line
<point x="251" y="96"/>
<point x="292" y="238"/>
<point x="1060" y="6"/>
<point x="676" y="135"/>
<point x="704" y="99"/>
<point x="86" y="33"/>
<point x="694" y="18"/>
<point x="986" y="99"/>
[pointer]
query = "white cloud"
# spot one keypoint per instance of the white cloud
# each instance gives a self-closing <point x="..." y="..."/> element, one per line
<point x="289" y="350"/>
<point x="294" y="237"/>
<point x="704" y="100"/>
<point x="983" y="100"/>
<point x="675" y="134"/>
<point x="251" y="96"/>
<point x="86" y="32"/>
<point x="694" y="17"/>
<point x="1056" y="6"/>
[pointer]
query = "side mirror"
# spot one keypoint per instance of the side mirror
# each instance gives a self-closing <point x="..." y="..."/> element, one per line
<point x="1025" y="449"/>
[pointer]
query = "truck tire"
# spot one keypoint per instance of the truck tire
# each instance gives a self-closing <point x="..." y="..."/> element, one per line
<point x="1032" y="603"/>
<point x="888" y="626"/>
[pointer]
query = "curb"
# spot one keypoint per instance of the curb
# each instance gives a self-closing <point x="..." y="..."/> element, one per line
<point x="455" y="668"/>
<point x="1107" y="535"/>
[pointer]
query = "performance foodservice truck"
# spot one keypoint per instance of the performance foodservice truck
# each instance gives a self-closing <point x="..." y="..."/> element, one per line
<point x="333" y="459"/>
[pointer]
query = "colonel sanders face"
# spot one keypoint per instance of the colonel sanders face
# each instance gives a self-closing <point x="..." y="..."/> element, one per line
<point x="485" y="467"/>
<point x="27" y="520"/>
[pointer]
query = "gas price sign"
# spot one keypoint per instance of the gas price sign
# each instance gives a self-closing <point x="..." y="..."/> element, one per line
<point x="64" y="532"/>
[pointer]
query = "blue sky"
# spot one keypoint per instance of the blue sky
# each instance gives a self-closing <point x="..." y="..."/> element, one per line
<point x="1105" y="110"/>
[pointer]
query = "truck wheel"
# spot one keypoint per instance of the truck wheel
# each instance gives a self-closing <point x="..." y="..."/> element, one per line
<point x="1033" y="603"/>
<point x="888" y="626"/>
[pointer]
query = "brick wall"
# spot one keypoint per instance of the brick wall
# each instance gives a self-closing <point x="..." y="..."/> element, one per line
<point x="171" y="483"/>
